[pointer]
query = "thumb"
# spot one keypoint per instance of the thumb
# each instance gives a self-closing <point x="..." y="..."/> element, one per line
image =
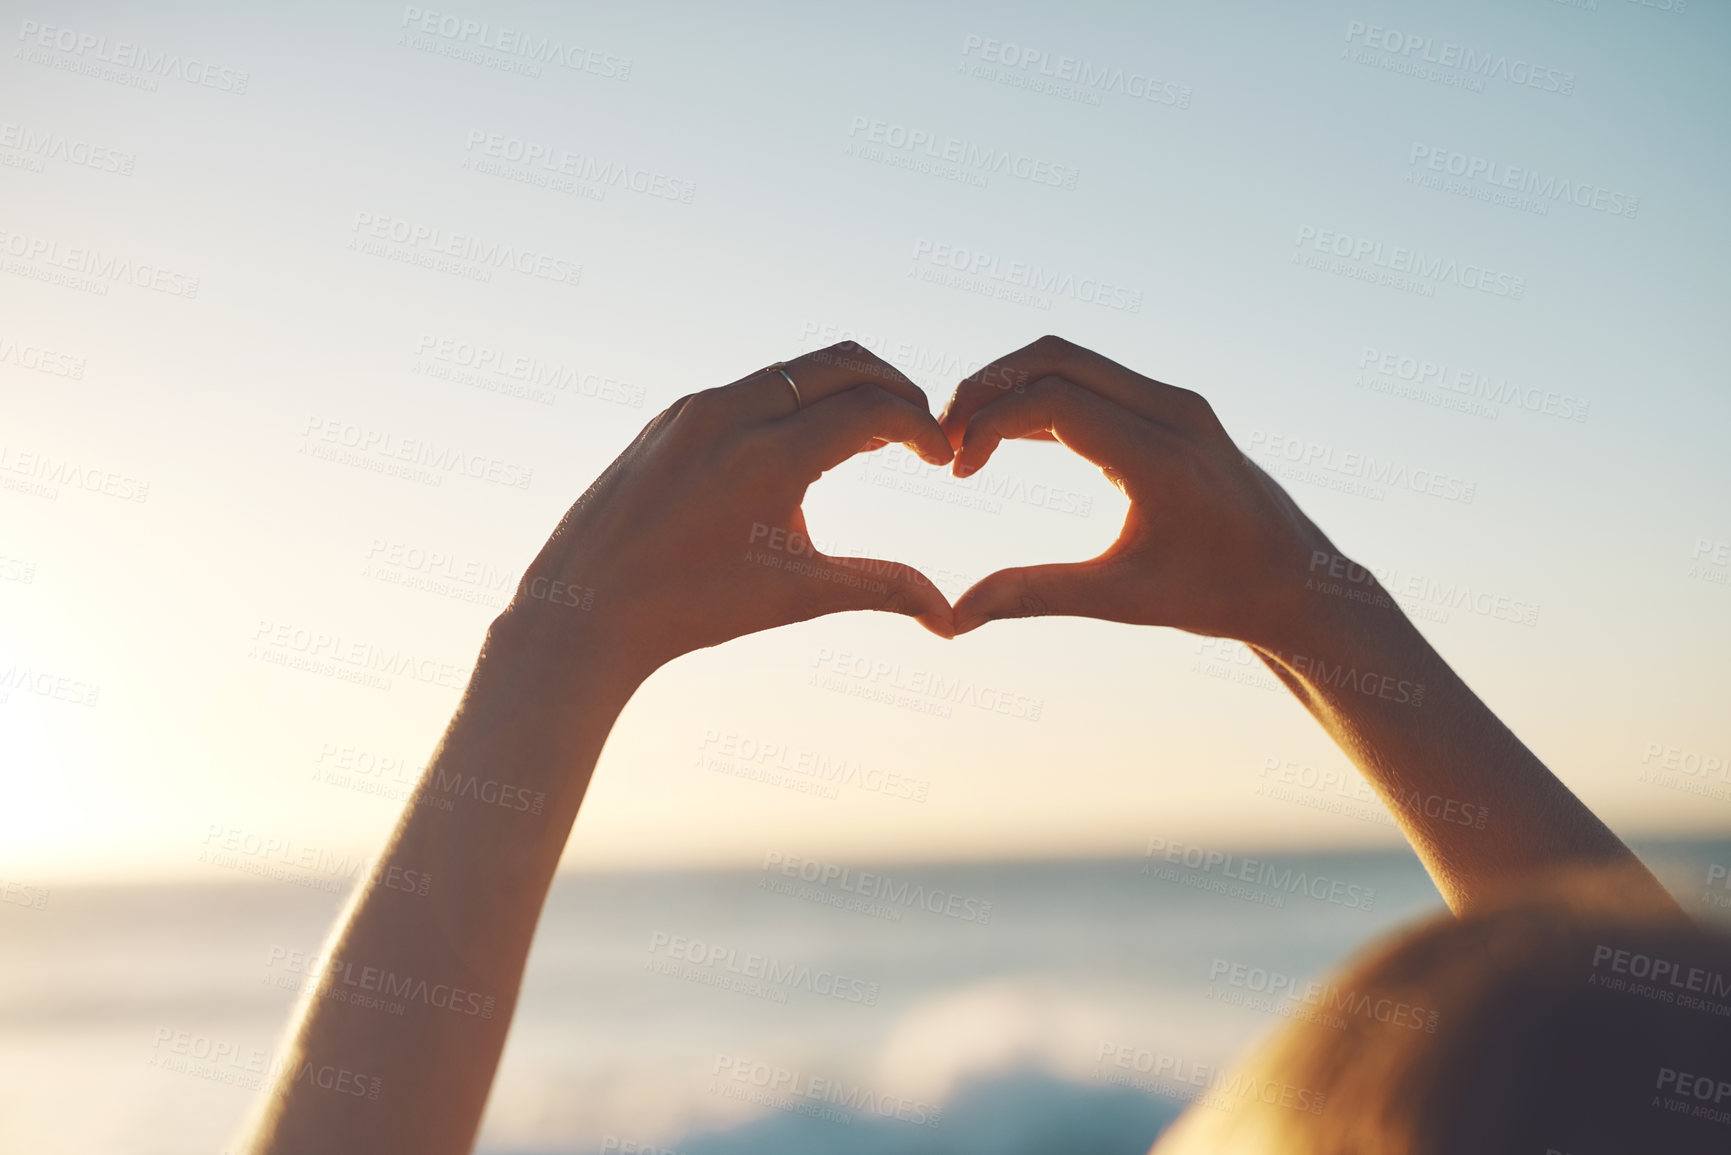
<point x="869" y="583"/>
<point x="1074" y="588"/>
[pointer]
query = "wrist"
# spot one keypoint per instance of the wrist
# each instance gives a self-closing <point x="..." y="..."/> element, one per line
<point x="560" y="650"/>
<point x="1329" y="602"/>
<point x="525" y="738"/>
<point x="1351" y="639"/>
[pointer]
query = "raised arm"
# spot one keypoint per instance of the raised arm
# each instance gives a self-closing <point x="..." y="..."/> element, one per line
<point x="692" y="537"/>
<point x="1211" y="544"/>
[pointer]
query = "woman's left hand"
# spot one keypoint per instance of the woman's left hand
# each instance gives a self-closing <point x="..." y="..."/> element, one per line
<point x="695" y="534"/>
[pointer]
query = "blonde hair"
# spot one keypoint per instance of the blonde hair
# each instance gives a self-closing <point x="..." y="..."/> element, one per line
<point x="1572" y="1017"/>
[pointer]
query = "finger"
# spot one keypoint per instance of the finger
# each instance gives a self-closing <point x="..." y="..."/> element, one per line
<point x="1012" y="375"/>
<point x="866" y="583"/>
<point x="817" y="375"/>
<point x="822" y="436"/>
<point x="1077" y="589"/>
<point x="1084" y="421"/>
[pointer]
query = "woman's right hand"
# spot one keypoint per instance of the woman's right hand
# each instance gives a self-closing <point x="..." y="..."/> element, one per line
<point x="1211" y="544"/>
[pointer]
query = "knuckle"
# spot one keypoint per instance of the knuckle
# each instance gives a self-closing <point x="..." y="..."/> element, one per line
<point x="702" y="413"/>
<point x="1048" y="388"/>
<point x="669" y="420"/>
<point x="852" y="357"/>
<point x="706" y="404"/>
<point x="876" y="400"/>
<point x="1052" y="347"/>
<point x="1194" y="406"/>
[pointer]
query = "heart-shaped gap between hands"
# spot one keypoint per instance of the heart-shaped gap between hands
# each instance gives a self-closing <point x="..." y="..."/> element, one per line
<point x="1028" y="505"/>
<point x="1209" y="544"/>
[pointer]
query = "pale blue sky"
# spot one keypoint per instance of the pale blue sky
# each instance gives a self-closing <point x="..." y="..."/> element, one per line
<point x="1197" y="208"/>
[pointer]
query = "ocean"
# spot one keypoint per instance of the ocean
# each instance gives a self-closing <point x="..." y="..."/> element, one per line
<point x="1000" y="1008"/>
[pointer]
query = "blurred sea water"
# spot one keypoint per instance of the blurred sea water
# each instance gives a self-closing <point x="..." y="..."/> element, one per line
<point x="904" y="1010"/>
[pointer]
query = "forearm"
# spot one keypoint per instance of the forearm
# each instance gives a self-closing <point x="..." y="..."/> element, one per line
<point x="1480" y="808"/>
<point x="413" y="998"/>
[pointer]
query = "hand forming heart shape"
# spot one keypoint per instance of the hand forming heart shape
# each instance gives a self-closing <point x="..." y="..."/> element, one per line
<point x="696" y="535"/>
<point x="1211" y="544"/>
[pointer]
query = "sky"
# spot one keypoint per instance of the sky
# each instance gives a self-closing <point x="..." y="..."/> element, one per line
<point x="254" y="258"/>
